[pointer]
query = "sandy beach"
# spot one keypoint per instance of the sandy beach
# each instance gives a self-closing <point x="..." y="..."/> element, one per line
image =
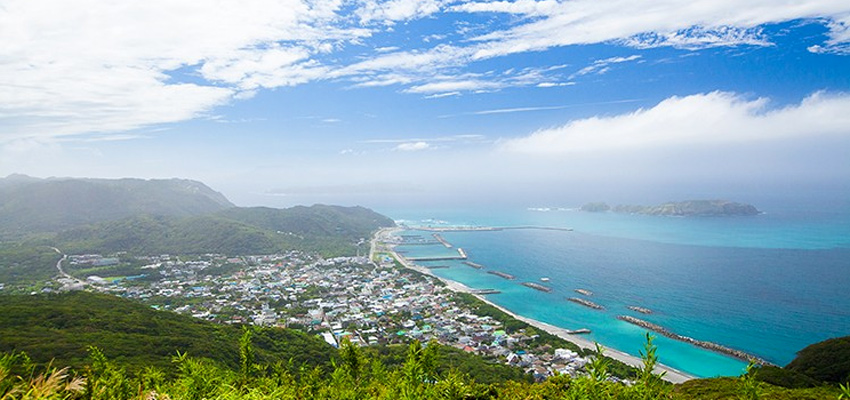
<point x="671" y="375"/>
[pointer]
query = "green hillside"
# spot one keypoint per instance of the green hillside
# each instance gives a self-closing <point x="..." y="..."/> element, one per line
<point x="63" y="326"/>
<point x="329" y="230"/>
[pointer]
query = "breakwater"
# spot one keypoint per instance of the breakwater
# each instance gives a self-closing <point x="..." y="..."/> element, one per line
<point x="502" y="275"/>
<point x="473" y="265"/>
<point x="461" y="255"/>
<point x="586" y="303"/>
<point x="641" y="310"/>
<point x="442" y="241"/>
<point x="436" y="266"/>
<point x="486" y="291"/>
<point x="537" y="286"/>
<point x="700" y="343"/>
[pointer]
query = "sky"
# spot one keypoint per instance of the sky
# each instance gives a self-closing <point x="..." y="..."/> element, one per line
<point x="427" y="103"/>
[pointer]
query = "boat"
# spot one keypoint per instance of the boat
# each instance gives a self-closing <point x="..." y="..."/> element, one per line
<point x="544" y="279"/>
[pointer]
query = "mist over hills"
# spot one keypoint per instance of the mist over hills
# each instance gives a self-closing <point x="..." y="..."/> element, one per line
<point x="31" y="205"/>
<point x="175" y="216"/>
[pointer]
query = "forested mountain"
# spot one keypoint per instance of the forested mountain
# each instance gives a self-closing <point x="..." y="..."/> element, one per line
<point x="30" y="205"/>
<point x="329" y="230"/>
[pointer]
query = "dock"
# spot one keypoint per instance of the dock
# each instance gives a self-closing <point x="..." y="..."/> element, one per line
<point x="461" y="255"/>
<point x="537" y="286"/>
<point x="586" y="303"/>
<point x="442" y="241"/>
<point x="473" y="265"/>
<point x="502" y="275"/>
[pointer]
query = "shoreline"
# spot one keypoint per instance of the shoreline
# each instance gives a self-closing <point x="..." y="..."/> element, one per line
<point x="672" y="375"/>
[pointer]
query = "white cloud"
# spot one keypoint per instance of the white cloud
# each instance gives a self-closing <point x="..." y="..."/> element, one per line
<point x="647" y="23"/>
<point x="388" y="12"/>
<point x="703" y="119"/>
<point x="101" y="66"/>
<point x="602" y="66"/>
<point x="413" y="146"/>
<point x="109" y="66"/>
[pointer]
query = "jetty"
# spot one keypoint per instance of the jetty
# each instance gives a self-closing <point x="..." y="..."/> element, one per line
<point x="537" y="286"/>
<point x="473" y="265"/>
<point x="485" y="291"/>
<point x="584" y="292"/>
<point x="502" y="275"/>
<point x="641" y="310"/>
<point x="586" y="303"/>
<point x="461" y="255"/>
<point x="442" y="241"/>
<point x="487" y="228"/>
<point x="719" y="348"/>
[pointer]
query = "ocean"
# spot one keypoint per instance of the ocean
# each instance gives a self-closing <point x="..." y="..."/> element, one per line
<point x="768" y="285"/>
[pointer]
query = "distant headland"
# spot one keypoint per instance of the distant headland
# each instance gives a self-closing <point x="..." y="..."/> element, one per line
<point x="689" y="208"/>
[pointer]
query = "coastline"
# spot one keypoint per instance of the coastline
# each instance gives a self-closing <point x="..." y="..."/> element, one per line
<point x="671" y="375"/>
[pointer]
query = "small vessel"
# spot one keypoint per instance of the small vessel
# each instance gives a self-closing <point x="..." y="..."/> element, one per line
<point x="544" y="279"/>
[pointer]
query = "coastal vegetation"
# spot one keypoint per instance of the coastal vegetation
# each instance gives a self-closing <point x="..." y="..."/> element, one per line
<point x="94" y="346"/>
<point x="354" y="374"/>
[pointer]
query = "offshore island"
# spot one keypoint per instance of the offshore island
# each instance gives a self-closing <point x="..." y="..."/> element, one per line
<point x="689" y="208"/>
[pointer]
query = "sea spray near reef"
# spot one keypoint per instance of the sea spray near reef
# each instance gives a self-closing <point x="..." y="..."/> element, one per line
<point x="764" y="301"/>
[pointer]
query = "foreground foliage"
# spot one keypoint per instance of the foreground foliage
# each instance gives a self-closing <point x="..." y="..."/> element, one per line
<point x="353" y="375"/>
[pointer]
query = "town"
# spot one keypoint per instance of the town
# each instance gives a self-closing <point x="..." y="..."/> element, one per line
<point x="366" y="302"/>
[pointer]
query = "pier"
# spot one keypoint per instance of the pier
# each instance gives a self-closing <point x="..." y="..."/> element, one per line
<point x="473" y="265"/>
<point x="461" y="255"/>
<point x="442" y="241"/>
<point x="586" y="303"/>
<point x="486" y="291"/>
<point x="700" y="343"/>
<point x="486" y="228"/>
<point x="537" y="286"/>
<point x="584" y="292"/>
<point x="502" y="275"/>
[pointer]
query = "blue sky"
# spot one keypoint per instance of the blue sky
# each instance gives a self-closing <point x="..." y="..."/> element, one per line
<point x="433" y="102"/>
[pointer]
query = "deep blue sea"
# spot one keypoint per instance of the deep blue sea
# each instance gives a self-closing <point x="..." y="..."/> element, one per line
<point x="769" y="284"/>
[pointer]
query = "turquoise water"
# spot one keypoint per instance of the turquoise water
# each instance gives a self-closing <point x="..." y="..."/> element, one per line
<point x="769" y="285"/>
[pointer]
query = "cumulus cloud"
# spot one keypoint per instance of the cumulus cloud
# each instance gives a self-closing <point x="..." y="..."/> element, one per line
<point x="702" y="119"/>
<point x="413" y="146"/>
<point x="100" y="66"/>
<point x="106" y="65"/>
